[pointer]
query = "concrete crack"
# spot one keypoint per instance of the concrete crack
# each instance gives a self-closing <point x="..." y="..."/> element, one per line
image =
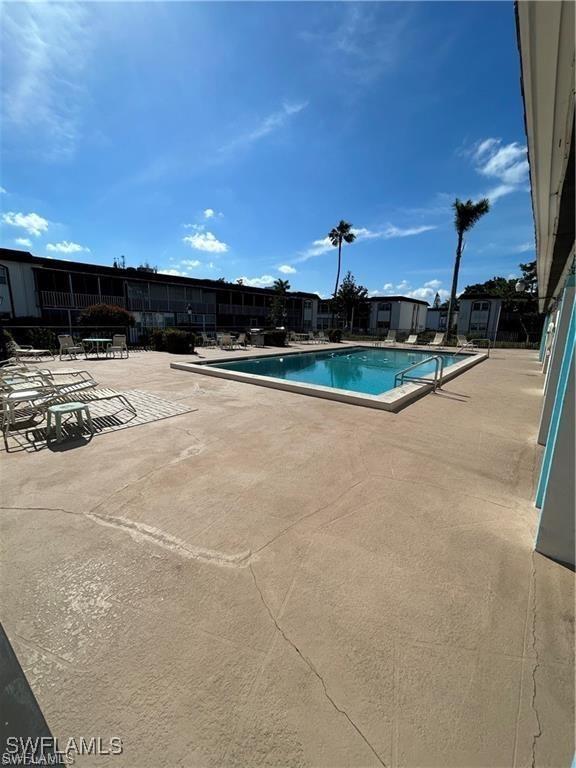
<point x="314" y="671"/>
<point x="538" y="734"/>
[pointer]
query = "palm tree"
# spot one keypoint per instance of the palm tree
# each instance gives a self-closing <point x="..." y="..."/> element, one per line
<point x="466" y="215"/>
<point x="281" y="286"/>
<point x="341" y="233"/>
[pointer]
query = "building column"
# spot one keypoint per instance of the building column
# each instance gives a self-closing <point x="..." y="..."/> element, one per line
<point x="555" y="494"/>
<point x="556" y="356"/>
<point x="543" y="338"/>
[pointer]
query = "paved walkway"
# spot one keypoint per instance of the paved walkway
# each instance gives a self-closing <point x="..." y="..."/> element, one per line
<point x="277" y="580"/>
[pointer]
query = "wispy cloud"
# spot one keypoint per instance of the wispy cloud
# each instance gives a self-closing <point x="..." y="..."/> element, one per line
<point x="323" y="245"/>
<point x="25" y="242"/>
<point x="524" y="248"/>
<point x="210" y="213"/>
<point x="46" y="49"/>
<point x="507" y="164"/>
<point x="33" y="223"/>
<point x="286" y="269"/>
<point x="257" y="282"/>
<point x="67" y="247"/>
<point x="269" y="124"/>
<point x="364" y="41"/>
<point x="205" y="241"/>
<point x="3" y="191"/>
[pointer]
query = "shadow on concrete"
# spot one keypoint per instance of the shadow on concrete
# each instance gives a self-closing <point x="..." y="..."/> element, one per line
<point x="21" y="717"/>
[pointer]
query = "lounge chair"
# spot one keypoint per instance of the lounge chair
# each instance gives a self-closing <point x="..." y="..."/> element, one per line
<point x="118" y="345"/>
<point x="391" y="338"/>
<point x="412" y="339"/>
<point x="69" y="347"/>
<point x="26" y="350"/>
<point x="438" y="340"/>
<point x="463" y="343"/>
<point x="321" y="338"/>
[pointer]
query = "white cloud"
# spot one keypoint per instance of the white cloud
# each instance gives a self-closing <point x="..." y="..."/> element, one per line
<point x="172" y="272"/>
<point x="66" y="247"/>
<point x="24" y="241"/>
<point x="286" y="269"/>
<point x="324" y="245"/>
<point x="31" y="222"/>
<point x="388" y="287"/>
<point x="205" y="241"/>
<point x="210" y="213"/>
<point x="428" y="294"/>
<point x="190" y="263"/>
<point x="524" y="247"/>
<point x="435" y="284"/>
<point x="47" y="47"/>
<point x="257" y="282"/>
<point x="403" y="286"/>
<point x="3" y="191"/>
<point x="507" y="163"/>
<point x="265" y="127"/>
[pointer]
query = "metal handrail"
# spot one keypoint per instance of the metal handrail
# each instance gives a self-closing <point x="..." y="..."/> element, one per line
<point x="438" y="373"/>
<point x="472" y="344"/>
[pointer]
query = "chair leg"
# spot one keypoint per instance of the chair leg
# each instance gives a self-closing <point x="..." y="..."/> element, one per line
<point x="48" y="425"/>
<point x="80" y="420"/>
<point x="89" y="420"/>
<point x="58" y="424"/>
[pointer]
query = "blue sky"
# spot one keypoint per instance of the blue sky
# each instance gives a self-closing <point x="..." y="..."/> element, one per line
<point x="226" y="139"/>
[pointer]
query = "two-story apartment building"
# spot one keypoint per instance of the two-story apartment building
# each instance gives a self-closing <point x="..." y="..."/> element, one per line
<point x="56" y="291"/>
<point x="397" y="313"/>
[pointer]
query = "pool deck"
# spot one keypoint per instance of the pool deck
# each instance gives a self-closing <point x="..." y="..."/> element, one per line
<point x="279" y="580"/>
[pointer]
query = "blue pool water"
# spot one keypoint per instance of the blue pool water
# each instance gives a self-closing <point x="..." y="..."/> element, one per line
<point x="360" y="369"/>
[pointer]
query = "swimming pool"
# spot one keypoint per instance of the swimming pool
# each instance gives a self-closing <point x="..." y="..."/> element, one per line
<point x="370" y="371"/>
<point x="355" y="374"/>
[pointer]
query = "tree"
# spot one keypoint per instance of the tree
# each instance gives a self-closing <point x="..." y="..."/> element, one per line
<point x="106" y="314"/>
<point x="437" y="301"/>
<point x="145" y="267"/>
<point x="466" y="215"/>
<point x="278" y="306"/>
<point x="338" y="235"/>
<point x="351" y="298"/>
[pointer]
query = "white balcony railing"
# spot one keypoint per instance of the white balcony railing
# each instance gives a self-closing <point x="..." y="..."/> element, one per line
<point x="66" y="300"/>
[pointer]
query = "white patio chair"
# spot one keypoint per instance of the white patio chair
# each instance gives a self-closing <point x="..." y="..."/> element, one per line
<point x="390" y="338"/>
<point x="412" y="339"/>
<point x="69" y="347"/>
<point x="119" y="344"/>
<point x="226" y="341"/>
<point x="438" y="340"/>
<point x="27" y="350"/>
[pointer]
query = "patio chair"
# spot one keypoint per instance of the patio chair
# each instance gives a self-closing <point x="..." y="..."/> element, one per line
<point x="241" y="341"/>
<point x="321" y="338"/>
<point x="69" y="347"/>
<point x="438" y="340"/>
<point x="412" y="339"/>
<point x="119" y="344"/>
<point x="207" y="341"/>
<point x="391" y="338"/>
<point x="27" y="350"/>
<point x="226" y="341"/>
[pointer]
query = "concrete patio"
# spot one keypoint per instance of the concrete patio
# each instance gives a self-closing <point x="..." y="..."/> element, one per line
<point x="278" y="580"/>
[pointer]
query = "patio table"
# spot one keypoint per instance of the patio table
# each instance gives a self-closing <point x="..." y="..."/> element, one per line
<point x="96" y="344"/>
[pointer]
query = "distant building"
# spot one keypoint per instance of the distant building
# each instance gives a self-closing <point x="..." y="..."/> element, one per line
<point x="56" y="291"/>
<point x="479" y="315"/>
<point x="397" y="313"/>
<point x="436" y="318"/>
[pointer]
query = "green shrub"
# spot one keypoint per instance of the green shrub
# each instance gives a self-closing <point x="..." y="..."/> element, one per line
<point x="106" y="314"/>
<point x="335" y="335"/>
<point x="6" y="344"/>
<point x="40" y="338"/>
<point x="173" y="340"/>
<point x="275" y="338"/>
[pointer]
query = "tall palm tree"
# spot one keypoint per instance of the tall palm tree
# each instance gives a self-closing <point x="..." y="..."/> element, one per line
<point x="338" y="235"/>
<point x="466" y="215"/>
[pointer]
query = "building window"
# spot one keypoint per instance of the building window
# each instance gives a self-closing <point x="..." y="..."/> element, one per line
<point x="481" y="306"/>
<point x="384" y="306"/>
<point x="3" y="276"/>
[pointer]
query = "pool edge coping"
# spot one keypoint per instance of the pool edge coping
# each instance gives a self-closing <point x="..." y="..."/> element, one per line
<point x="393" y="400"/>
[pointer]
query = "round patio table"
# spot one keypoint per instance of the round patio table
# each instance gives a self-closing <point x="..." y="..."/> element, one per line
<point x="96" y="346"/>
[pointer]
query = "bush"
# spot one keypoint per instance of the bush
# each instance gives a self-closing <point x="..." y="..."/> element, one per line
<point x="335" y="335"/>
<point x="173" y="340"/>
<point x="106" y="314"/>
<point x="40" y="338"/>
<point x="275" y="338"/>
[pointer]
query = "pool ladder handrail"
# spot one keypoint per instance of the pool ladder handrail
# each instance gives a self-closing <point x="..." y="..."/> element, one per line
<point x="438" y="373"/>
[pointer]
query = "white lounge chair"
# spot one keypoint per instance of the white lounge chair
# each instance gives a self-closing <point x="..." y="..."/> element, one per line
<point x="241" y="341"/>
<point x="119" y="344"/>
<point x="391" y="338"/>
<point x="463" y="343"/>
<point x="412" y="339"/>
<point x="26" y="350"/>
<point x="438" y="340"/>
<point x="69" y="347"/>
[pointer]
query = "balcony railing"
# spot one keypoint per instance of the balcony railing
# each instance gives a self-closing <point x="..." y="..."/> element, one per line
<point x="239" y="309"/>
<point x="145" y="304"/>
<point x="66" y="300"/>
